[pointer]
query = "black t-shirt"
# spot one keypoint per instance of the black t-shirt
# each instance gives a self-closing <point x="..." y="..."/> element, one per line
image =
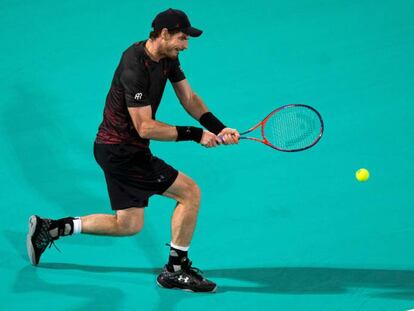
<point x="138" y="81"/>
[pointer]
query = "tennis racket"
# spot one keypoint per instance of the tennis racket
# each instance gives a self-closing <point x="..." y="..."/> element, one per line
<point x="289" y="128"/>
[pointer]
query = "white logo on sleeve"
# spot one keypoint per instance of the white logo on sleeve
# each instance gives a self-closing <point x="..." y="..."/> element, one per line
<point x="138" y="96"/>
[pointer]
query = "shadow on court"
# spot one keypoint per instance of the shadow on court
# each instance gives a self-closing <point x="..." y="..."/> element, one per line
<point x="97" y="297"/>
<point x="301" y="280"/>
<point x="29" y="281"/>
<point x="307" y="280"/>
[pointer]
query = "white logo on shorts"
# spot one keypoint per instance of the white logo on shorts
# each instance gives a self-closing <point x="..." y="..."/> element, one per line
<point x="138" y="96"/>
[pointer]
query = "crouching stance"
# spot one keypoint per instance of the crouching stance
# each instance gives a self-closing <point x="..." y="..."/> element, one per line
<point x="132" y="173"/>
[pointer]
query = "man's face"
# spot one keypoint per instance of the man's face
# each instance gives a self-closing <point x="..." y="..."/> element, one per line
<point x="174" y="44"/>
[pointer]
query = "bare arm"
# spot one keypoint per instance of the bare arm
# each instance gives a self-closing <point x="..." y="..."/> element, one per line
<point x="149" y="128"/>
<point x="195" y="106"/>
<point x="191" y="102"/>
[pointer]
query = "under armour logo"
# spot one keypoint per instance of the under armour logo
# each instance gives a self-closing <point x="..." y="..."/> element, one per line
<point x="138" y="96"/>
<point x="185" y="279"/>
<point x="161" y="178"/>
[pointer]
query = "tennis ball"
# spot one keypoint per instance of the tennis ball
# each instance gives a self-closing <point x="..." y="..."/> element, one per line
<point x="362" y="174"/>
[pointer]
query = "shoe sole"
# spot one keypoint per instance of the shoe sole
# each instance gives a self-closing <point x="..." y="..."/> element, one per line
<point x="186" y="289"/>
<point x="29" y="244"/>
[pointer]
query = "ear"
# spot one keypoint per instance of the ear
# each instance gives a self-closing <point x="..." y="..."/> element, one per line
<point x="165" y="35"/>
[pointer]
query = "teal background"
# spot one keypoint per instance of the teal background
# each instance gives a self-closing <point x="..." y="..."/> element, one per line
<point x="276" y="231"/>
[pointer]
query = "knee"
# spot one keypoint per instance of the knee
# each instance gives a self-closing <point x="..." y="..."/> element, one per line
<point x="192" y="192"/>
<point x="129" y="227"/>
<point x="133" y="230"/>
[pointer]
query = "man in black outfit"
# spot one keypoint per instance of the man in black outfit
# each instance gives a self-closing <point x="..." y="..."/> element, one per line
<point x="121" y="148"/>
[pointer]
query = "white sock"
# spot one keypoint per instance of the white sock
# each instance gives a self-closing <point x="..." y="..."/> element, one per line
<point x="181" y="248"/>
<point x="77" y="225"/>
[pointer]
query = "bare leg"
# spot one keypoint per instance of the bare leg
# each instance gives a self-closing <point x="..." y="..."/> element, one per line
<point x="126" y="222"/>
<point x="184" y="218"/>
<point x="176" y="273"/>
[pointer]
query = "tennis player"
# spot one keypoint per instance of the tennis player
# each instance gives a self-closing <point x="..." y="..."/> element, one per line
<point x="122" y="150"/>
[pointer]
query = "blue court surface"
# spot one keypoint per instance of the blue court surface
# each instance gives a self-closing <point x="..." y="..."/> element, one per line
<point x="276" y="231"/>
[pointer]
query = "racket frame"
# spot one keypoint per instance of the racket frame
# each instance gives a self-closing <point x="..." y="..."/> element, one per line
<point x="263" y="123"/>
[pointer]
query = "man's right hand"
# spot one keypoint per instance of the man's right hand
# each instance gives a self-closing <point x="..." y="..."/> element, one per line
<point x="209" y="140"/>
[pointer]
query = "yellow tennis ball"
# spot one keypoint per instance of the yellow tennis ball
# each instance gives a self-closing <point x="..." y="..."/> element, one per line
<point x="362" y="174"/>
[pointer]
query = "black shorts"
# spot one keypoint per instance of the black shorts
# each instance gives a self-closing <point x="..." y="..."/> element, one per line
<point x="132" y="174"/>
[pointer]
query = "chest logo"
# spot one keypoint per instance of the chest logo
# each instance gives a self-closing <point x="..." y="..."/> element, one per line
<point x="138" y="96"/>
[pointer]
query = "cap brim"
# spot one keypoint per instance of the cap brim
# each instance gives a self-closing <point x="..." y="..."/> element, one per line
<point x="192" y="32"/>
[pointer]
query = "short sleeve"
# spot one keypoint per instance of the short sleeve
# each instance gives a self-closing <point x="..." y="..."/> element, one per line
<point x="176" y="74"/>
<point x="134" y="80"/>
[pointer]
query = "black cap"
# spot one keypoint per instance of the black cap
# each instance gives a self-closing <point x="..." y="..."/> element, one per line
<point x="175" y="19"/>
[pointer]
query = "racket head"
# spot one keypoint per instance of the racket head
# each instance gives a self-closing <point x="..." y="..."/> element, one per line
<point x="292" y="128"/>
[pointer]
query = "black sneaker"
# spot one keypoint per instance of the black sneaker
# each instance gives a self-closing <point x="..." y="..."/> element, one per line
<point x="38" y="238"/>
<point x="188" y="279"/>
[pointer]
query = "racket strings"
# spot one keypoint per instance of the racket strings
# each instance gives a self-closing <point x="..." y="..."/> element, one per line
<point x="293" y="128"/>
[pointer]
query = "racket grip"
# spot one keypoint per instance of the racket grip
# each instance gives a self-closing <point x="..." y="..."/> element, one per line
<point x="221" y="138"/>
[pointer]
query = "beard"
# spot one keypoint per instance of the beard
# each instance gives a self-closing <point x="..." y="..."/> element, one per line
<point x="172" y="53"/>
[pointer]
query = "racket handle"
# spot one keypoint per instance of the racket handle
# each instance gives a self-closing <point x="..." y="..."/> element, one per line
<point x="221" y="138"/>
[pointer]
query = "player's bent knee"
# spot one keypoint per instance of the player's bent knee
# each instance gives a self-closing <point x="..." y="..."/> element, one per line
<point x="132" y="230"/>
<point x="129" y="228"/>
<point x="193" y="192"/>
<point x="197" y="193"/>
<point x="129" y="223"/>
